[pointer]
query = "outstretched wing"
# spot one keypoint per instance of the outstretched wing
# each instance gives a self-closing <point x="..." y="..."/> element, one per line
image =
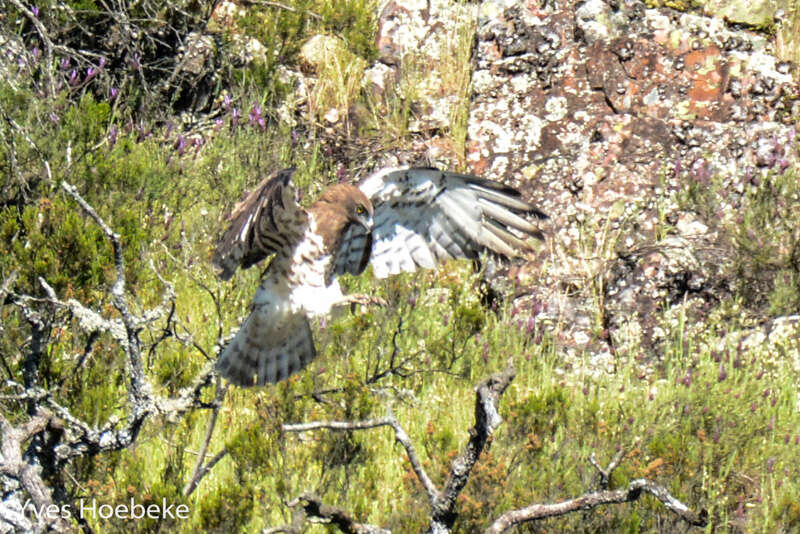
<point x="266" y="221"/>
<point x="425" y="216"/>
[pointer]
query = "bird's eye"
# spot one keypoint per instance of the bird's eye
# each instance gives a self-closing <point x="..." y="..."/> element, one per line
<point x="360" y="210"/>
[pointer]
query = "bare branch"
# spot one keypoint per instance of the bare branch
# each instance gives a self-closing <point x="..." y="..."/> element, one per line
<point x="286" y="8"/>
<point x="400" y="436"/>
<point x="338" y="426"/>
<point x="487" y="419"/>
<point x="139" y="388"/>
<point x="605" y="474"/>
<point x="416" y="465"/>
<point x="588" y="501"/>
<point x="200" y="470"/>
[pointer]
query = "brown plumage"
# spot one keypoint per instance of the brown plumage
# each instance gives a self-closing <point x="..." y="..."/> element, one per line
<point x="397" y="220"/>
<point x="335" y="208"/>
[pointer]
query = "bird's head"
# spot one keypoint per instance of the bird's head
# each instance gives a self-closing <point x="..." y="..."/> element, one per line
<point x="350" y="202"/>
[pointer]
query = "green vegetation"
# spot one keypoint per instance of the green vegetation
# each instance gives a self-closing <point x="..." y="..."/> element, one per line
<point x="711" y="413"/>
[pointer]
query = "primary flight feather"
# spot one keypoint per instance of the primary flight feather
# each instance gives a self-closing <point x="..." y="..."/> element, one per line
<point x="397" y="220"/>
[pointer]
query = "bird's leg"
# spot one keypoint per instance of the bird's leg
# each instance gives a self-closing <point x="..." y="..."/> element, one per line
<point x="363" y="299"/>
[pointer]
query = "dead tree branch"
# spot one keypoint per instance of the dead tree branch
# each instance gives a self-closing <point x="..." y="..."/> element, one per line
<point x="443" y="502"/>
<point x="27" y="473"/>
<point x="487" y="419"/>
<point x="338" y="426"/>
<point x="46" y="42"/>
<point x="592" y="500"/>
<point x="55" y="434"/>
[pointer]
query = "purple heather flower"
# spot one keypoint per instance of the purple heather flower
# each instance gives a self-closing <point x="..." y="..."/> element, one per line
<point x="54" y="117"/>
<point x="217" y="125"/>
<point x="531" y="326"/>
<point x="723" y="374"/>
<point x="198" y="143"/>
<point x="35" y="11"/>
<point x="294" y="137"/>
<point x="101" y="63"/>
<point x="112" y="136"/>
<point x="114" y="93"/>
<point x="255" y="112"/>
<point x="136" y="61"/>
<point x="36" y="53"/>
<point x="226" y="102"/>
<point x="341" y="173"/>
<point x="538" y="340"/>
<point x="180" y="145"/>
<point x="783" y="164"/>
<point x="770" y="464"/>
<point x="90" y="72"/>
<point x="73" y="77"/>
<point x="64" y="63"/>
<point x="235" y="115"/>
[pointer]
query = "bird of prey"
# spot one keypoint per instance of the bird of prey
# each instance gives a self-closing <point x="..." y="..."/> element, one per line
<point x="396" y="220"/>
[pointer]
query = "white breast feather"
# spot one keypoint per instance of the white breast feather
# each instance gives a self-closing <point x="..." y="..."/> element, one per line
<point x="311" y="294"/>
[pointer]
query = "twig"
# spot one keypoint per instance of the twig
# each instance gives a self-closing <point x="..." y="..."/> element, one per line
<point x="200" y="470"/>
<point x="338" y="426"/>
<point x="285" y="8"/>
<point x="416" y="465"/>
<point x="605" y="474"/>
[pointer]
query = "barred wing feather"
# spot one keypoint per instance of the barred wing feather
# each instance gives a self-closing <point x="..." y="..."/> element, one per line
<point x="425" y="216"/>
<point x="267" y="220"/>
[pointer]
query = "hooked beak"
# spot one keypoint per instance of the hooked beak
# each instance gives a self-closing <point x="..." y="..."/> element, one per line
<point x="366" y="221"/>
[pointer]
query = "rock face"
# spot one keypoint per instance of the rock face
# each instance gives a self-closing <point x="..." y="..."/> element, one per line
<point x="600" y="113"/>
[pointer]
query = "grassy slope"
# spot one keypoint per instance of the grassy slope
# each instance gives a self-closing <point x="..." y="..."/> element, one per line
<point x="713" y="419"/>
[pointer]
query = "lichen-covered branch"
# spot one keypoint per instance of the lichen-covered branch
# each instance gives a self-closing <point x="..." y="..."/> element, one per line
<point x="56" y="435"/>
